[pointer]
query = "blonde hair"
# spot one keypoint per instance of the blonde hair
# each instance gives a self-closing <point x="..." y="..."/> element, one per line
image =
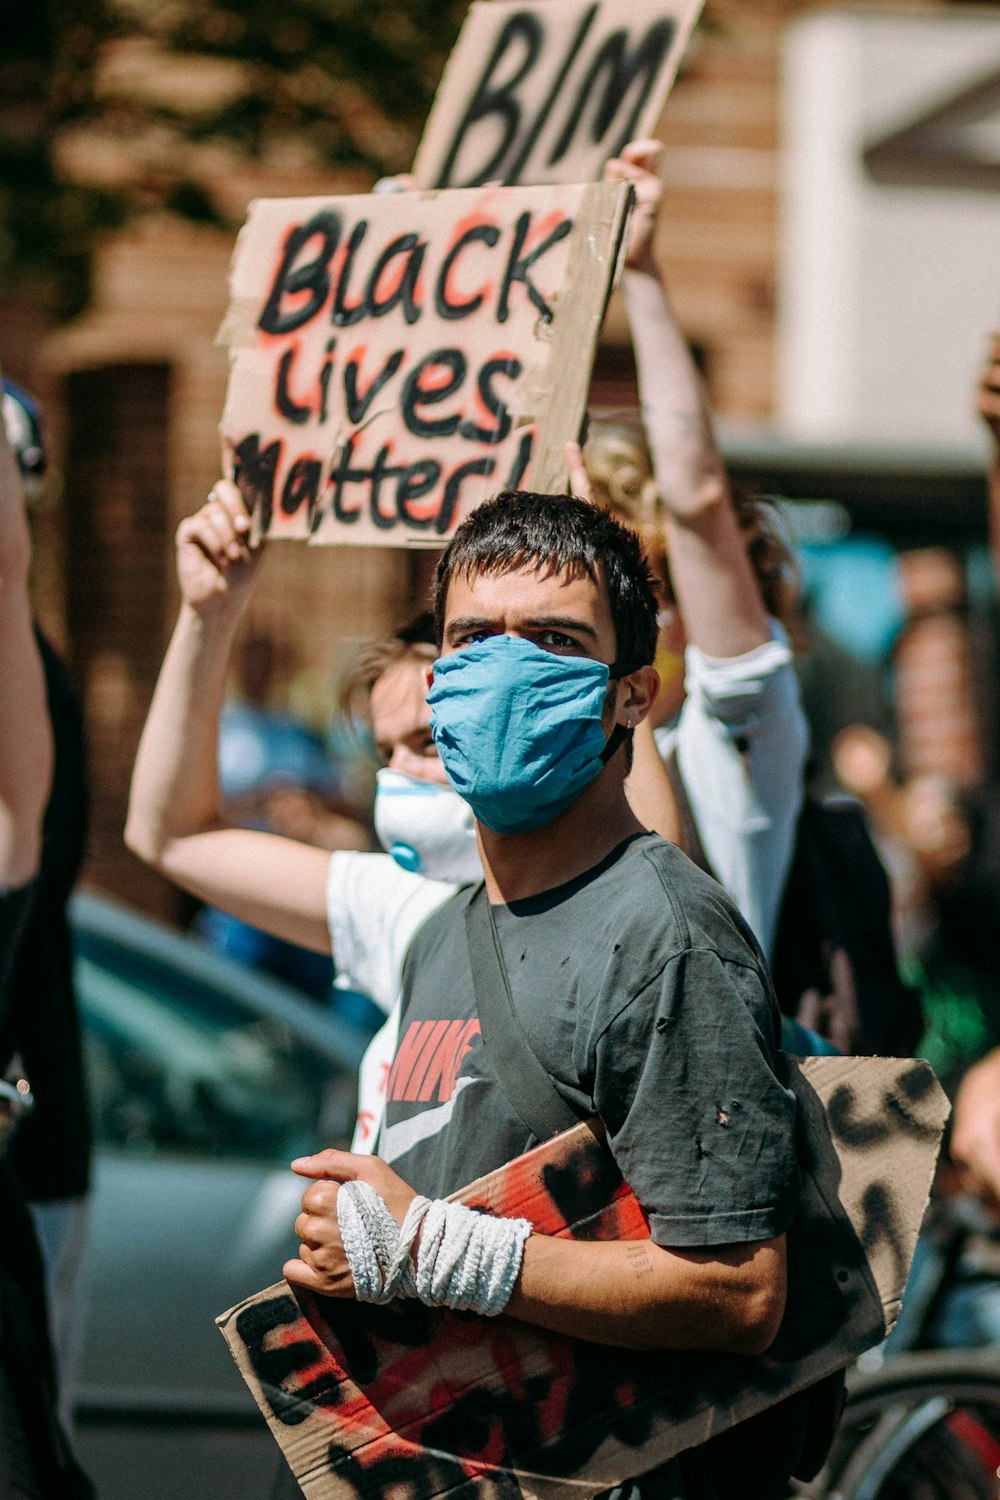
<point x="413" y="642"/>
<point x="621" y="478"/>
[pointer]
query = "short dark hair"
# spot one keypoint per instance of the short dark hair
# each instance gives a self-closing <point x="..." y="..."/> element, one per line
<point x="519" y="529"/>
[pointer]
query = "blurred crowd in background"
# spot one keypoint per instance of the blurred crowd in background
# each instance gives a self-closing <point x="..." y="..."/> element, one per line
<point x="132" y="137"/>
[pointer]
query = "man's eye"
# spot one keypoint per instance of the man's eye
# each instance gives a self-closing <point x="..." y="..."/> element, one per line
<point x="554" y="640"/>
<point x="473" y="637"/>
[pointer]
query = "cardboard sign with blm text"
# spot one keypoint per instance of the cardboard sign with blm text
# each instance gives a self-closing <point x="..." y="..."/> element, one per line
<point x="547" y="92"/>
<point x="395" y="359"/>
<point x="368" y="1401"/>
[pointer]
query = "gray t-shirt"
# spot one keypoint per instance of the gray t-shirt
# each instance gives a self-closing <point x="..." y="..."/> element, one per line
<point x="644" y="994"/>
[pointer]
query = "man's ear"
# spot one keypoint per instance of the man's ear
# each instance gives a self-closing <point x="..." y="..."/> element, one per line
<point x="636" y="695"/>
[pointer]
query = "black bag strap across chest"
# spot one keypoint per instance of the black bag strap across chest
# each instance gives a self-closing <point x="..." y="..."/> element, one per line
<point x="520" y="1074"/>
<point x="690" y="840"/>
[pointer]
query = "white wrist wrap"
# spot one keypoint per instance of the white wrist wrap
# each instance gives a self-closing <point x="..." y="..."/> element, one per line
<point x="466" y="1260"/>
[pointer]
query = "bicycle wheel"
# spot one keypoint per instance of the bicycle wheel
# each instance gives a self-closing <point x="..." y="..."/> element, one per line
<point x="922" y="1427"/>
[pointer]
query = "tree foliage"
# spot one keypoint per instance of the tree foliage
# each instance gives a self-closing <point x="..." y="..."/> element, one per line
<point x="48" y="51"/>
<point x="337" y="83"/>
<point x="352" y="80"/>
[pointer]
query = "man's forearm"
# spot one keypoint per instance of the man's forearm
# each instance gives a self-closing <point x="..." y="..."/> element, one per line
<point x="636" y="1295"/>
<point x="689" y="467"/>
<point x="975" y="1125"/>
<point x="629" y="1293"/>
<point x="716" y="590"/>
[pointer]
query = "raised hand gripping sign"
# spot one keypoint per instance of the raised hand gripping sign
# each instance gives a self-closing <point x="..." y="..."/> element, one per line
<point x="406" y="1400"/>
<point x="547" y="92"/>
<point x="395" y="359"/>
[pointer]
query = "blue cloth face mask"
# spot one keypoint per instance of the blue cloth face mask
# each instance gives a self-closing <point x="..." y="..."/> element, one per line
<point x="518" y="729"/>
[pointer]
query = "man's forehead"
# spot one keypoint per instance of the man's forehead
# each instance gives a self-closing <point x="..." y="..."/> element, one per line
<point x="534" y="588"/>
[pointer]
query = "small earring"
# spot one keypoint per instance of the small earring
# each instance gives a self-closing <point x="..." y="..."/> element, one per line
<point x="628" y="723"/>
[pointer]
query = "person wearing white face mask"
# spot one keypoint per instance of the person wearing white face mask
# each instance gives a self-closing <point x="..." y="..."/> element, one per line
<point x="377" y="904"/>
<point x="426" y="828"/>
<point x="430" y="835"/>
<point x="419" y="820"/>
<point x="365" y="908"/>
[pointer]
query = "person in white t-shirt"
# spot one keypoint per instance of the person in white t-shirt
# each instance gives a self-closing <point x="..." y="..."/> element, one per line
<point x="377" y="902"/>
<point x="364" y="908"/>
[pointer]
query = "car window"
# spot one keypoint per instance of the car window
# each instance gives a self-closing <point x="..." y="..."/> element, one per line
<point x="176" y="1066"/>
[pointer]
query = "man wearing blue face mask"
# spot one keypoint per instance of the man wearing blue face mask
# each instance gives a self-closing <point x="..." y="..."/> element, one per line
<point x="637" y="984"/>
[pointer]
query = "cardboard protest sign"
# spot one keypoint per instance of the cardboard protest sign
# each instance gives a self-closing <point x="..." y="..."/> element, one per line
<point x="395" y="359"/>
<point x="365" y="1399"/>
<point x="547" y="92"/>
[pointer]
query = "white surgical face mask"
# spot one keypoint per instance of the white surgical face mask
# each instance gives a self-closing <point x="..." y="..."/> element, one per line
<point x="426" y="827"/>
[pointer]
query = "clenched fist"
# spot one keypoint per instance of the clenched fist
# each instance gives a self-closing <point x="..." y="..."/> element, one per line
<point x="216" y="564"/>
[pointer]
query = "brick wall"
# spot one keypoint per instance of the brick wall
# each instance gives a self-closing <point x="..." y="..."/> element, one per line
<point x="135" y="465"/>
<point x="115" y="520"/>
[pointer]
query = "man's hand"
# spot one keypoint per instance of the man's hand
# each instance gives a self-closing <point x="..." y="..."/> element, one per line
<point x="975" y="1133"/>
<point x="637" y="165"/>
<point x="579" y="479"/>
<point x="322" y="1262"/>
<point x="216" y="565"/>
<point x="988" y="392"/>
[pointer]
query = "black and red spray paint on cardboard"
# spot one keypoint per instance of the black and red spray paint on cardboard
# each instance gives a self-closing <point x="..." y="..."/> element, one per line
<point x="364" y="1399"/>
<point x="397" y="358"/>
<point x="548" y="92"/>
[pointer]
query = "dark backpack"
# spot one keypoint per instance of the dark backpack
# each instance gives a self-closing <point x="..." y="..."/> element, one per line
<point x="834" y="966"/>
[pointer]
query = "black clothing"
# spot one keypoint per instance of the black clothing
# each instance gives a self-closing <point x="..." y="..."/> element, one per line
<point x="15" y="906"/>
<point x="35" y="1459"/>
<point x="50" y="1156"/>
<point x="37" y="1018"/>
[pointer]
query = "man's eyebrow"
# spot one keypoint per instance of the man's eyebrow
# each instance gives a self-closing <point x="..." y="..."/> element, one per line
<point x="562" y="622"/>
<point x="465" y="623"/>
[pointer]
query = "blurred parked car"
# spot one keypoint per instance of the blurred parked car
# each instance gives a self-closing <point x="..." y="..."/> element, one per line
<point x="206" y="1079"/>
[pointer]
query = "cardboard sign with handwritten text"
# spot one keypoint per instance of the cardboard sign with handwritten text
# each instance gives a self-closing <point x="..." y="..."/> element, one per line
<point x="547" y="92"/>
<point x="404" y="1399"/>
<point x="395" y="359"/>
